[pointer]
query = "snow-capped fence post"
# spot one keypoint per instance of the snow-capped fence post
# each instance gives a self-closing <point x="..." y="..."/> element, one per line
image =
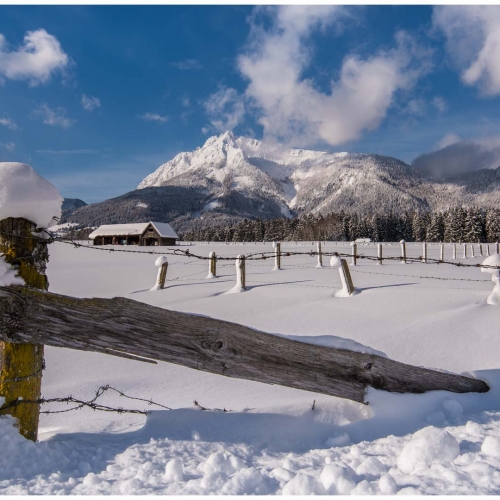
<point x="488" y="250"/>
<point x="21" y="365"/>
<point x="465" y="250"/>
<point x="354" y="247"/>
<point x="403" y="251"/>
<point x="424" y="251"/>
<point x="496" y="248"/>
<point x="441" y="253"/>
<point x="454" y="252"/>
<point x="212" y="265"/>
<point x="472" y="250"/>
<point x="240" y="272"/>
<point x="345" y="275"/>
<point x="162" y="263"/>
<point x="277" y="256"/>
<point x="379" y="254"/>
<point x="480" y="249"/>
<point x="320" y="255"/>
<point x="494" y="260"/>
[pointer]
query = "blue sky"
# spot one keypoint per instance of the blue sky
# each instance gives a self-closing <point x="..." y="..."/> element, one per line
<point x="97" y="97"/>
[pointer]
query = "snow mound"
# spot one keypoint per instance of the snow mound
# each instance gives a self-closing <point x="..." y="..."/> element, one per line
<point x="23" y="193"/>
<point x="428" y="446"/>
<point x="174" y="471"/>
<point x="7" y="275"/>
<point x="301" y="484"/>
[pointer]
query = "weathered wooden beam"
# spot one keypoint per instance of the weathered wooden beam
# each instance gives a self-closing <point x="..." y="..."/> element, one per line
<point x="129" y="327"/>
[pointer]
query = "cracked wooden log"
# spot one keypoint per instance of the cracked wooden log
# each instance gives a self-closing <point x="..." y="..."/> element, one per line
<point x="125" y="327"/>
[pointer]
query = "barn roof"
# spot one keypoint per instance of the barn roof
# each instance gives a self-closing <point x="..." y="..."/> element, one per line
<point x="164" y="230"/>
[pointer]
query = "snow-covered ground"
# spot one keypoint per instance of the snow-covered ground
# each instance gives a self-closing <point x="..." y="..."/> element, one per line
<point x="272" y="441"/>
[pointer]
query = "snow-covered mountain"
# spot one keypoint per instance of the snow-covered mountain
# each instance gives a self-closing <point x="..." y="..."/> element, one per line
<point x="294" y="179"/>
<point x="230" y="178"/>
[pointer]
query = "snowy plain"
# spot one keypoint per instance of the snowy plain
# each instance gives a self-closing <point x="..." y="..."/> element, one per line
<point x="272" y="441"/>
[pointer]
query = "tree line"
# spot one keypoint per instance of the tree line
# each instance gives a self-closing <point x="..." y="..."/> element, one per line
<point x="456" y="224"/>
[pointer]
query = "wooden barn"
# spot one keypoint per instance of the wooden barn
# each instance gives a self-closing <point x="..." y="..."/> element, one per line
<point x="141" y="233"/>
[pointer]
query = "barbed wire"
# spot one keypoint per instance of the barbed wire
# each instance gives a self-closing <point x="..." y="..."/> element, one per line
<point x="421" y="277"/>
<point x="261" y="255"/>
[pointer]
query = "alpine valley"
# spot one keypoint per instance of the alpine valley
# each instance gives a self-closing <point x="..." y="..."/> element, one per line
<point x="231" y="178"/>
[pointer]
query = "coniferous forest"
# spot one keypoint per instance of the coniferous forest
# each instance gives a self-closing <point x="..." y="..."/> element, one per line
<point x="453" y="225"/>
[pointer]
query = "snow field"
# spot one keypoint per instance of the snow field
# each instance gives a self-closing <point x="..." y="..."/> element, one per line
<point x="272" y="441"/>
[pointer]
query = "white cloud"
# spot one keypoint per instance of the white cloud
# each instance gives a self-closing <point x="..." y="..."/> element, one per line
<point x="186" y="102"/>
<point x="90" y="103"/>
<point x="9" y="146"/>
<point x="6" y="122"/>
<point x="447" y="140"/>
<point x="439" y="103"/>
<point x="455" y="156"/>
<point x="225" y="109"/>
<point x="39" y="56"/>
<point x="416" y="107"/>
<point x="473" y="41"/>
<point x="54" y="117"/>
<point x="187" y="64"/>
<point x="290" y="107"/>
<point x="154" y="117"/>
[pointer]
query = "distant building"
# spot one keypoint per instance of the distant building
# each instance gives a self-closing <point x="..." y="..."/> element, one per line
<point x="141" y="233"/>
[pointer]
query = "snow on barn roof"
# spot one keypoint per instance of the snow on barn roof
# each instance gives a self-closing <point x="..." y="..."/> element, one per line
<point x="163" y="228"/>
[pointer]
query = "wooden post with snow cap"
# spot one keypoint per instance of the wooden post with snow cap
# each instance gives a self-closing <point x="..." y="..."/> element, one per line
<point x="493" y="260"/>
<point x="379" y="254"/>
<point x="354" y="253"/>
<point x="320" y="254"/>
<point x="21" y="365"/>
<point x="497" y="247"/>
<point x="212" y="265"/>
<point x="465" y="250"/>
<point x="472" y="250"/>
<point x="403" y="251"/>
<point x="441" y="253"/>
<point x="454" y="254"/>
<point x="162" y="263"/>
<point x="277" y="256"/>
<point x="424" y="251"/>
<point x="240" y="273"/>
<point x="345" y="275"/>
<point x="28" y="203"/>
<point x="480" y="250"/>
<point x="488" y="250"/>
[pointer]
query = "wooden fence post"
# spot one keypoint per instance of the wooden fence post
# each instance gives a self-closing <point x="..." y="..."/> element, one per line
<point x="240" y="272"/>
<point x="441" y="253"/>
<point x="345" y="277"/>
<point x="354" y="247"/>
<point x="454" y="252"/>
<point x="487" y="250"/>
<point x="496" y="247"/>
<point x="424" y="251"/>
<point x="277" y="256"/>
<point x="379" y="254"/>
<point x="472" y="250"/>
<point x="212" y="265"/>
<point x="21" y="365"/>
<point x="465" y="250"/>
<point x="162" y="263"/>
<point x="403" y="251"/>
<point x="320" y="255"/>
<point x="480" y="249"/>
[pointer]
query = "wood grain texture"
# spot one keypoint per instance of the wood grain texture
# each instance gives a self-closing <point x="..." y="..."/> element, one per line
<point x="123" y="326"/>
